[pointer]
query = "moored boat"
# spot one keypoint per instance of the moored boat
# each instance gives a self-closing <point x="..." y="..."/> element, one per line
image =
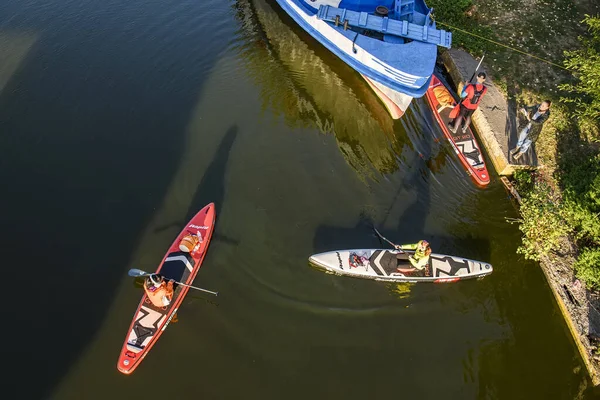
<point x="395" y="102"/>
<point x="390" y="42"/>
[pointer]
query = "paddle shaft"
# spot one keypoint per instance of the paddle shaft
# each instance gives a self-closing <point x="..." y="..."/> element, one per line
<point x="143" y="273"/>
<point x="472" y="76"/>
<point x="384" y="238"/>
<point x="476" y="69"/>
<point x="197" y="288"/>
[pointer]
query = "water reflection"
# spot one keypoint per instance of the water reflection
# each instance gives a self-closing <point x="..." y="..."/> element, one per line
<point x="14" y="47"/>
<point x="401" y="290"/>
<point x="310" y="87"/>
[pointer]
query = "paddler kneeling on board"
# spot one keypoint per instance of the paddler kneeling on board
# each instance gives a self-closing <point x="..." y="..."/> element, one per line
<point x="158" y="291"/>
<point x="418" y="261"/>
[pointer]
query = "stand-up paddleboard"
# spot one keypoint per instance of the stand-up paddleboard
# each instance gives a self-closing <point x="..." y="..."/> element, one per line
<point x="381" y="265"/>
<point x="149" y="321"/>
<point x="465" y="145"/>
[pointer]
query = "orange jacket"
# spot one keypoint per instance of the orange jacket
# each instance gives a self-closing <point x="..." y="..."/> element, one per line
<point x="467" y="102"/>
<point x="161" y="296"/>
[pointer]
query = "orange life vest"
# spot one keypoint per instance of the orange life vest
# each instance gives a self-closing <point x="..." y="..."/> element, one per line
<point x="190" y="243"/>
<point x="474" y="95"/>
<point x="443" y="96"/>
<point x="161" y="295"/>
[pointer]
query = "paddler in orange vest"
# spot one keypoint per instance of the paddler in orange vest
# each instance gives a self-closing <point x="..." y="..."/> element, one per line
<point x="474" y="93"/>
<point x="158" y="291"/>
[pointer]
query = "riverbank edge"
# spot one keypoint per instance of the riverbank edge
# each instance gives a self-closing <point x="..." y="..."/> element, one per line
<point x="494" y="126"/>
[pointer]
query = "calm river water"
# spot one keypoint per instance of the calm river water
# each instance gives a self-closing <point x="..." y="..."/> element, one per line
<point x="120" y="118"/>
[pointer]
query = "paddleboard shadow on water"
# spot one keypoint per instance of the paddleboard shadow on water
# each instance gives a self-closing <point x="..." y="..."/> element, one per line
<point x="212" y="187"/>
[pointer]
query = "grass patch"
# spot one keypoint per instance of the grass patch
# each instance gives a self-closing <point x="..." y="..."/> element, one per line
<point x="542" y="28"/>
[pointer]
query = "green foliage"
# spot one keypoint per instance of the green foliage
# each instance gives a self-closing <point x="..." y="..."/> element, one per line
<point x="585" y="93"/>
<point x="548" y="217"/>
<point x="586" y="224"/>
<point x="580" y="178"/>
<point x="587" y="267"/>
<point x="544" y="222"/>
<point x="523" y="181"/>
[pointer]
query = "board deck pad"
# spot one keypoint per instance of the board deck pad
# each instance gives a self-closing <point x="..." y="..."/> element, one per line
<point x="177" y="266"/>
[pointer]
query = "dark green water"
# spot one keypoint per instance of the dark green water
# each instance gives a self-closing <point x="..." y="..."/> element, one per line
<point x="119" y="119"/>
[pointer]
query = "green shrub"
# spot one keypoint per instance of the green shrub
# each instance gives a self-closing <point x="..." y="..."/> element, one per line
<point x="587" y="267"/>
<point x="523" y="181"/>
<point x="580" y="179"/>
<point x="585" y="63"/>
<point x="545" y="222"/>
<point x="586" y="224"/>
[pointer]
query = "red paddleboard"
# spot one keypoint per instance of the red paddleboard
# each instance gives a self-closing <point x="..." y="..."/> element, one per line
<point x="149" y="321"/>
<point x="465" y="145"/>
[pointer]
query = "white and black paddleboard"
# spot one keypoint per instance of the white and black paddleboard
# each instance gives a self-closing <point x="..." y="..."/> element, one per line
<point x="381" y="265"/>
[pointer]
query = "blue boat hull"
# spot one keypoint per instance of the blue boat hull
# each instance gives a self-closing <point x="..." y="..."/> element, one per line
<point x="404" y="67"/>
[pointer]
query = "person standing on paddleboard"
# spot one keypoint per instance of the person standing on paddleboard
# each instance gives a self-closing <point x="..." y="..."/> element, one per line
<point x="474" y="94"/>
<point x="418" y="261"/>
<point x="158" y="291"/>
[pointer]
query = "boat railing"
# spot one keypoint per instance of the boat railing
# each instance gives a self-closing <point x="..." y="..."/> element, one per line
<point x="362" y="20"/>
<point x="429" y="17"/>
<point x="404" y="9"/>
